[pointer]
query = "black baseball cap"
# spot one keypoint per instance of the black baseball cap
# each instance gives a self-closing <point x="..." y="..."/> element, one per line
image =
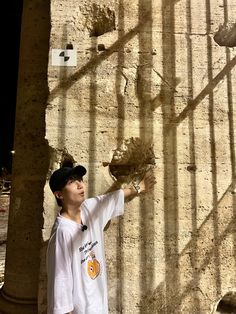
<point x="60" y="177"/>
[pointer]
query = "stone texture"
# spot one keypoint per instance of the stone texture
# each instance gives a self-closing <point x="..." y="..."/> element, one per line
<point x="159" y="76"/>
<point x="150" y="70"/>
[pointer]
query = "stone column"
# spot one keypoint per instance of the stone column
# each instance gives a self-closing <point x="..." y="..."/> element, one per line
<point x="20" y="290"/>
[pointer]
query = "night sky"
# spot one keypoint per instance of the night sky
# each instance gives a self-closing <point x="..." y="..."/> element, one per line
<point x="10" y="49"/>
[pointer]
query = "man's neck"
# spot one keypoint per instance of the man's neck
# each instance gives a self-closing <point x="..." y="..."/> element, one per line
<point x="72" y="214"/>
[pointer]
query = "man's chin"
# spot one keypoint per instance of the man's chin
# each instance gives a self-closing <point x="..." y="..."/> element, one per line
<point x="82" y="198"/>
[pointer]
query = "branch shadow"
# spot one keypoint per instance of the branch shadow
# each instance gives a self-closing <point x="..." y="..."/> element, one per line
<point x="94" y="62"/>
<point x="155" y="302"/>
<point x="206" y="91"/>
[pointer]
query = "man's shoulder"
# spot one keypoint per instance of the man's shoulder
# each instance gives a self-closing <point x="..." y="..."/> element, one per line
<point x="62" y="226"/>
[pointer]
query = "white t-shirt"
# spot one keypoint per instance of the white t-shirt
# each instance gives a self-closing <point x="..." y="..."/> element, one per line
<point x="76" y="266"/>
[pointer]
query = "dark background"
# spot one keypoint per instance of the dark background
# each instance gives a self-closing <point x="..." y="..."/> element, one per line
<point x="11" y="26"/>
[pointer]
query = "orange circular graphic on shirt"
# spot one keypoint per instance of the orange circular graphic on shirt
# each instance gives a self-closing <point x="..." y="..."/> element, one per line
<point x="93" y="266"/>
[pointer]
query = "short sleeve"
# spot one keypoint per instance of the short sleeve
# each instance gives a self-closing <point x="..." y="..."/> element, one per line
<point x="107" y="206"/>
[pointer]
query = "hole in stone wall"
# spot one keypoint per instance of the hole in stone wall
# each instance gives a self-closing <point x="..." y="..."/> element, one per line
<point x="131" y="160"/>
<point x="227" y="304"/>
<point x="100" y="20"/>
<point x="192" y="168"/>
<point x="67" y="160"/>
<point x="226" y="35"/>
<point x="101" y="47"/>
<point x="69" y="46"/>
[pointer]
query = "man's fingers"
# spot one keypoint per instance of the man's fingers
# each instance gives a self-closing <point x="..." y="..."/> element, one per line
<point x="149" y="182"/>
<point x="150" y="177"/>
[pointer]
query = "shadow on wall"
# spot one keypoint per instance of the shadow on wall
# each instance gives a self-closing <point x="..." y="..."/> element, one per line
<point x="95" y="61"/>
<point x="167" y="297"/>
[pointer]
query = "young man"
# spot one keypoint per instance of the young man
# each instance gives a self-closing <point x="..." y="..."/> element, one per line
<point x="75" y="258"/>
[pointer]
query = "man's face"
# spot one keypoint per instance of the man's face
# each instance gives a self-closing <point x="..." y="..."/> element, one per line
<point x="73" y="193"/>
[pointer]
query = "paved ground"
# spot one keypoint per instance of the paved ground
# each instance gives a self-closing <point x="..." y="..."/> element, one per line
<point x="4" y="209"/>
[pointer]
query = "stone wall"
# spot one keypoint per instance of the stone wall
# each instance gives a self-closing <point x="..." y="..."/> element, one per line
<point x="153" y="88"/>
<point x="159" y="71"/>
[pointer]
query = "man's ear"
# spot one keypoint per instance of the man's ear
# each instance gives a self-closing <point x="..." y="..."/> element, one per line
<point x="58" y="194"/>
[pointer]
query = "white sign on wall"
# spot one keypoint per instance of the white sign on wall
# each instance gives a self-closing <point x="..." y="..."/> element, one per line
<point x="64" y="57"/>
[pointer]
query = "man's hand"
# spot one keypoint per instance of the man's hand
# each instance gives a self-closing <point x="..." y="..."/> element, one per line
<point x="147" y="183"/>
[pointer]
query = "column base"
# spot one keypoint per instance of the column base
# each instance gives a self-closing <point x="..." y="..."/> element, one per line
<point x="9" y="305"/>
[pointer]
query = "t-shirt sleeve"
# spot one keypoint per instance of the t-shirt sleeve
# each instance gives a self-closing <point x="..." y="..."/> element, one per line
<point x="60" y="283"/>
<point x="110" y="205"/>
